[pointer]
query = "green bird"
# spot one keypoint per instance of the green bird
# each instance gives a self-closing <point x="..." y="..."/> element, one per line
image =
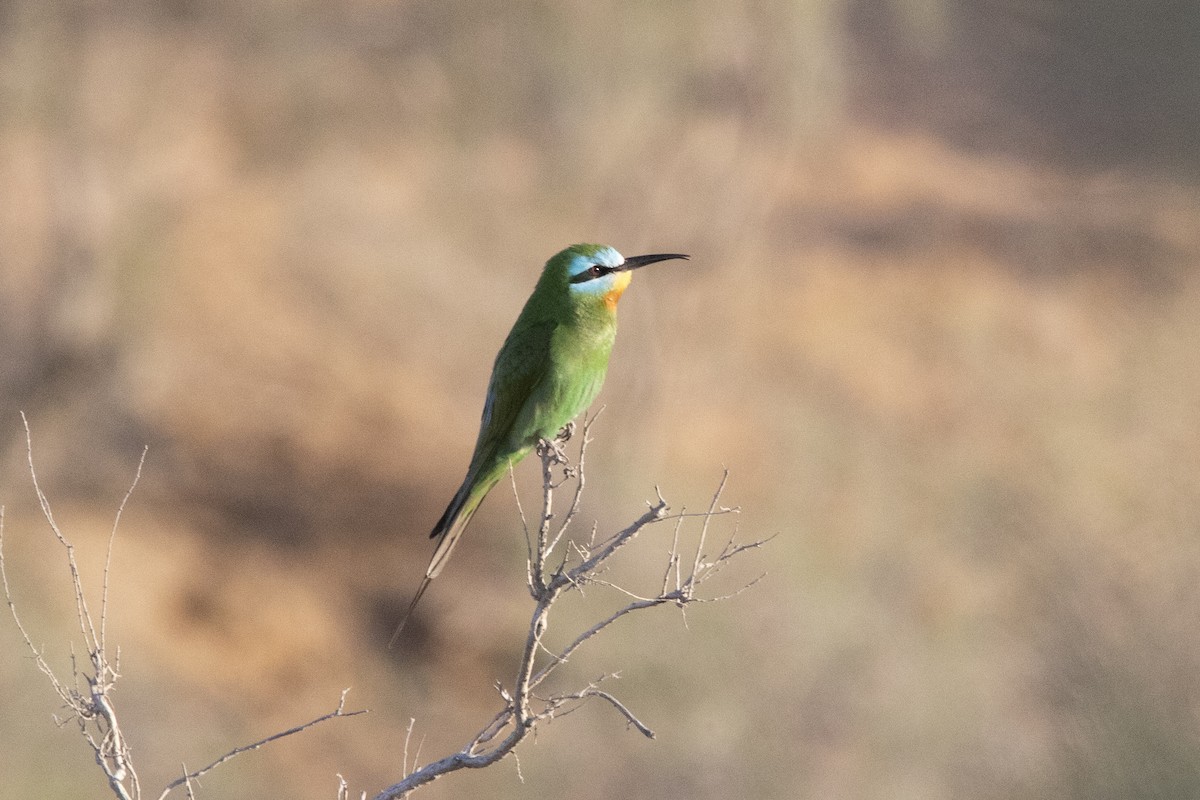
<point x="548" y="370"/>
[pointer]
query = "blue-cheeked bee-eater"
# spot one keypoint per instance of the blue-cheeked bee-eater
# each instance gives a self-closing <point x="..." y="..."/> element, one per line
<point x="548" y="370"/>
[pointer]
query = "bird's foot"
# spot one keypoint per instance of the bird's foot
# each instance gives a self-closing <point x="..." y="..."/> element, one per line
<point x="553" y="449"/>
<point x="566" y="433"/>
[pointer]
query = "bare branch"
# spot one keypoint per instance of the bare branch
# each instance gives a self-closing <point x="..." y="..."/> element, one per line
<point x="38" y="658"/>
<point x="580" y="477"/>
<point x="625" y="712"/>
<point x="523" y="711"/>
<point x="112" y="537"/>
<point x="566" y="652"/>
<point x="84" y="618"/>
<point x="340" y="711"/>
<point x="89" y="699"/>
<point x="92" y="709"/>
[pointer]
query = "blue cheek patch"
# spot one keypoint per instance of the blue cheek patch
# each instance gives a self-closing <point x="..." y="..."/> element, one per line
<point x="601" y="285"/>
<point x="605" y="256"/>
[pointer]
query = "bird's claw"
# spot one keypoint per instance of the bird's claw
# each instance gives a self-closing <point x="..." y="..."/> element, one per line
<point x="553" y="450"/>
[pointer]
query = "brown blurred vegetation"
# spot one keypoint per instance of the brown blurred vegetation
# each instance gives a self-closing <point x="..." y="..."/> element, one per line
<point x="941" y="324"/>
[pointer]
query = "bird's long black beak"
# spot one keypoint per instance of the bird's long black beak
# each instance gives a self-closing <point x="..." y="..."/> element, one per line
<point x="634" y="262"/>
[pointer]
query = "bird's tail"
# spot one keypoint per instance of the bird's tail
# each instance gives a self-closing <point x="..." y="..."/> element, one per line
<point x="448" y="530"/>
<point x="454" y="521"/>
<point x="412" y="605"/>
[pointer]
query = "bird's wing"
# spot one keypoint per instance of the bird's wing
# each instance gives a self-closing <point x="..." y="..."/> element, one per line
<point x="521" y="364"/>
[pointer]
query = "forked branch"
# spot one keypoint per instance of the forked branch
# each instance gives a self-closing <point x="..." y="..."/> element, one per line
<point x="88" y="696"/>
<point x="558" y="566"/>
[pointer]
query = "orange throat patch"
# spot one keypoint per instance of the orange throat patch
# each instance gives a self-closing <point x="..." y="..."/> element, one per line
<point x="619" y="286"/>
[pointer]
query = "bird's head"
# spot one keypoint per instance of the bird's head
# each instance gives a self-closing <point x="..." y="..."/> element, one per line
<point x="596" y="270"/>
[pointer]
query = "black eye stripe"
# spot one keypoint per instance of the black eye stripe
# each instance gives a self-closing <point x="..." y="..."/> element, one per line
<point x="592" y="272"/>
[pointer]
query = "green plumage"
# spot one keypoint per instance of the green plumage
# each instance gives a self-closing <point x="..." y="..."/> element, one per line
<point x="548" y="370"/>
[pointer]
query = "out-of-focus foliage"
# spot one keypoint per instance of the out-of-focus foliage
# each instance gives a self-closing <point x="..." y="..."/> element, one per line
<point x="940" y="323"/>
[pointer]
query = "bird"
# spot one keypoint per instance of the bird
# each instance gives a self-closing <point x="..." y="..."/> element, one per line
<point x="549" y="369"/>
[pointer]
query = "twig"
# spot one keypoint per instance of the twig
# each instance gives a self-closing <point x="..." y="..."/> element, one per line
<point x="89" y="700"/>
<point x="625" y="712"/>
<point x="38" y="658"/>
<point x="92" y="709"/>
<point x="580" y="478"/>
<point x="237" y="751"/>
<point x="112" y="537"/>
<point x="523" y="711"/>
<point x="82" y="615"/>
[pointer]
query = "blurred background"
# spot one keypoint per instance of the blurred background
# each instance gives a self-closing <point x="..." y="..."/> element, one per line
<point x="940" y="323"/>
